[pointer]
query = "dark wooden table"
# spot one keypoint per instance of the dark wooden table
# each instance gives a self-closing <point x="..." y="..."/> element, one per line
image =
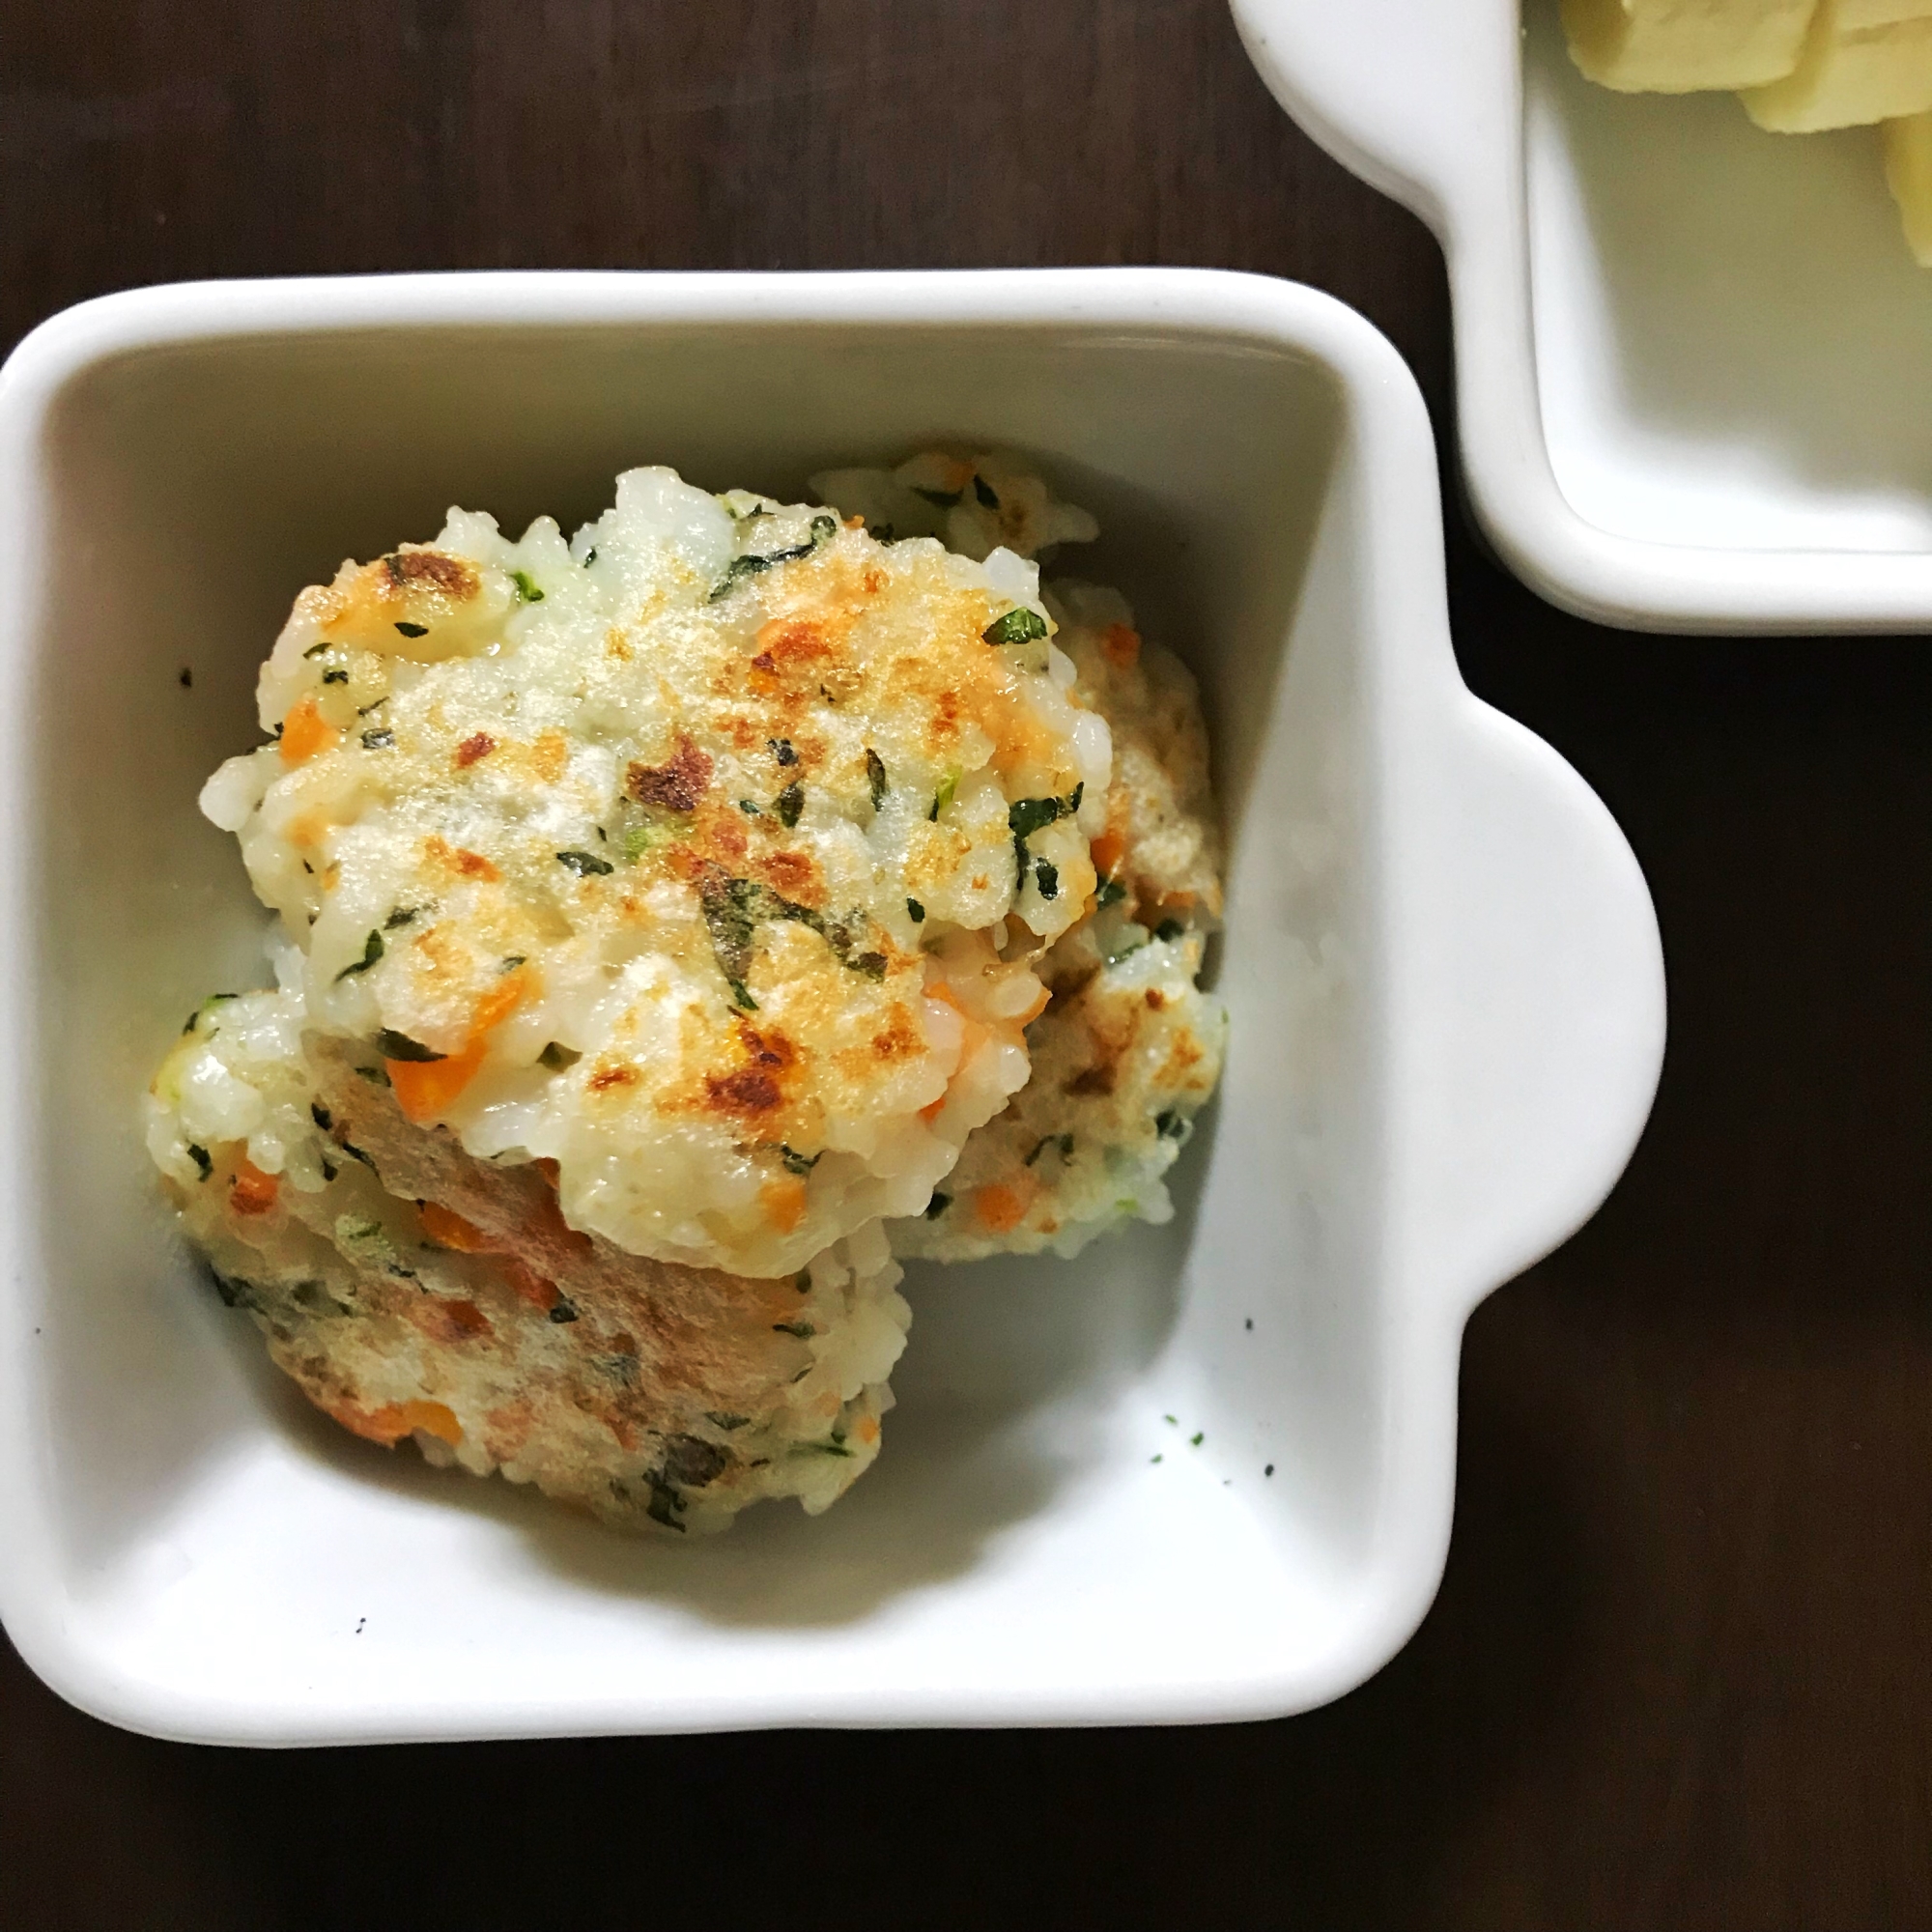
<point x="1678" y="1673"/>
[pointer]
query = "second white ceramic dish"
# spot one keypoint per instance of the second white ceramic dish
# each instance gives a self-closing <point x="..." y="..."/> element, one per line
<point x="1690" y="356"/>
<point x="1440" y="959"/>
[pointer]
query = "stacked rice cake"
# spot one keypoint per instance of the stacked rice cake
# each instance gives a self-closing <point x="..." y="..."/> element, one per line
<point x="661" y="916"/>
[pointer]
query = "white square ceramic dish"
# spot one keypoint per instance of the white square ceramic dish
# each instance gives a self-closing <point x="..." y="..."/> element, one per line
<point x="1690" y="356"/>
<point x="1441" y="961"/>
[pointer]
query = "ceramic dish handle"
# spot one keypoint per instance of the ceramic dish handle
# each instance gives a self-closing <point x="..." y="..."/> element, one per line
<point x="1539" y="1016"/>
<point x="1395" y="90"/>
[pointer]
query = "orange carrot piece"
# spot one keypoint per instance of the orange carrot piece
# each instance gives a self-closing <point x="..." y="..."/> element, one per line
<point x="784" y="1198"/>
<point x="1122" y="644"/>
<point x="253" y="1192"/>
<point x="390" y="1422"/>
<point x="999" y="1208"/>
<point x="426" y="1089"/>
<point x="305" y="731"/>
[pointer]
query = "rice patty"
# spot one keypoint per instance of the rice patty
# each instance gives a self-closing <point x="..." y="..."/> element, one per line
<point x="706" y="857"/>
<point x="411" y="1292"/>
<point x="1130" y="1048"/>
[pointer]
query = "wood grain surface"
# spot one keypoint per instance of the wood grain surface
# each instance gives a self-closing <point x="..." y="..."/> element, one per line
<point x="1677" y="1675"/>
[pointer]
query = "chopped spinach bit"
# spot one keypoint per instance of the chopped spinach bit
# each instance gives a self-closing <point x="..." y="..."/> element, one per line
<point x="590" y="557"/>
<point x="401" y="916"/>
<point x="355" y="1152"/>
<point x="723" y="1418"/>
<point x="527" y="587"/>
<point x="321" y="1116"/>
<point x="663" y="1507"/>
<point x="511" y="961"/>
<point x="937" y="1206"/>
<point x="940" y="499"/>
<point x="558" y="1057"/>
<point x="376" y="1077"/>
<point x="803" y="1330"/>
<point x="1110" y="892"/>
<point x="749" y="565"/>
<point x="1047" y="877"/>
<point x="949" y="787"/>
<point x="335" y="677"/>
<point x="983" y="490"/>
<point x="1169" y="929"/>
<point x="875" y="777"/>
<point x="1017" y="626"/>
<point x="749" y="810"/>
<point x="1063" y="1142"/>
<point x="562" y="1310"/>
<point x="1170" y="1126"/>
<point x="1027" y="815"/>
<point x="585" y="864"/>
<point x="1199" y="1437"/>
<point x="371" y="951"/>
<point x="636" y="842"/>
<point x="199" y="1156"/>
<point x="414" y="630"/>
<point x="782" y="751"/>
<point x="363" y="710"/>
<point x="826" y="1448"/>
<point x="379" y="741"/>
<point x="316" y="650"/>
<point x="796" y="1162"/>
<point x="393" y="1045"/>
<point x="872" y="965"/>
<point x="914" y="911"/>
<point x="789" y="803"/>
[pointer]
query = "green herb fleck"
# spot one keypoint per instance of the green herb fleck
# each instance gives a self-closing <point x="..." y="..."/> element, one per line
<point x="875" y="777"/>
<point x="782" y="751"/>
<point x="1170" y="1126"/>
<point x="983" y="490"/>
<point x="379" y="741"/>
<point x="937" y="1206"/>
<point x="321" y="1116"/>
<point x="723" y="1418"/>
<point x="1169" y="1418"/>
<point x="870" y="965"/>
<point x="1047" y="877"/>
<point x="414" y="630"/>
<point x="371" y="951"/>
<point x="1109" y="892"/>
<point x="749" y="810"/>
<point x="1157" y="1459"/>
<point x="401" y="916"/>
<point x="393" y="1045"/>
<point x="637" y="841"/>
<point x="559" y="1058"/>
<point x="789" y="803"/>
<point x="562" y="1310"/>
<point x="1169" y="929"/>
<point x="316" y="650"/>
<point x="376" y="1077"/>
<point x="949" y="787"/>
<point x="526" y="586"/>
<point x="914" y="911"/>
<point x="803" y="1330"/>
<point x="335" y="677"/>
<point x="1017" y="626"/>
<point x="199" y="1156"/>
<point x="940" y="499"/>
<point x="1199" y="1437"/>
<point x="585" y="864"/>
<point x="798" y="1163"/>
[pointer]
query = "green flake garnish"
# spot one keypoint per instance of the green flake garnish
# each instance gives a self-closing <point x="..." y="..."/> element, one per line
<point x="875" y="777"/>
<point x="526" y="586"/>
<point x="559" y="1058"/>
<point x="371" y="951"/>
<point x="585" y="864"/>
<point x="1017" y="626"/>
<point x="414" y="630"/>
<point x="393" y="1045"/>
<point x="914" y="911"/>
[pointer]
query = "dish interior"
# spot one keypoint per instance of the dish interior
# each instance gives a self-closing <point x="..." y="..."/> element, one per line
<point x="237" y="1561"/>
<point x="1731" y="338"/>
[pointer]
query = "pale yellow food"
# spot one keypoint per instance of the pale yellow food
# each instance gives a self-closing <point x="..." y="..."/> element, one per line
<point x="1908" y="170"/>
<point x="1854" y="69"/>
<point x="1678" y="47"/>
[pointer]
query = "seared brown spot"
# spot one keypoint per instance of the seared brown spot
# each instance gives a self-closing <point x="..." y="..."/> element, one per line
<point x="767" y="1049"/>
<point x="899" y="1039"/>
<point x="749" y="1091"/>
<point x="788" y="642"/>
<point x="1066" y="991"/>
<point x="793" y="873"/>
<point x="551" y="755"/>
<point x="677" y="786"/>
<point x="448" y="574"/>
<point x="1097" y="1079"/>
<point x="1155" y="999"/>
<point x="472" y="748"/>
<point x="455" y="859"/>
<point x="607" y="1077"/>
